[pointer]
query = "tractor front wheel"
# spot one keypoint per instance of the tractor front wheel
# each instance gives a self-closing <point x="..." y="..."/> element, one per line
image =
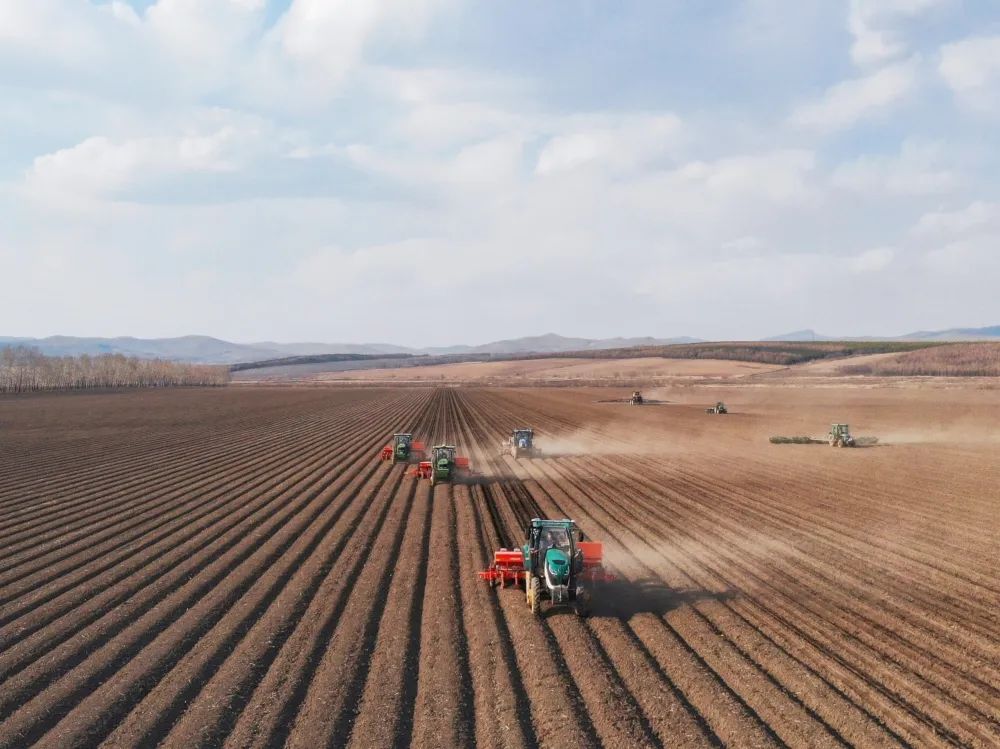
<point x="534" y="595"/>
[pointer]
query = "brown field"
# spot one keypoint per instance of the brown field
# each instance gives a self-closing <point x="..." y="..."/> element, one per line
<point x="236" y="568"/>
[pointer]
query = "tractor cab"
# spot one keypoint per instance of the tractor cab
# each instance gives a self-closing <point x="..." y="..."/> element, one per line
<point x="522" y="438"/>
<point x="442" y="455"/>
<point x="636" y="399"/>
<point x="401" y="445"/>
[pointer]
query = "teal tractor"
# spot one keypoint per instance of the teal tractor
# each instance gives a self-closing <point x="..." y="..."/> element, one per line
<point x="520" y="444"/>
<point x="555" y="563"/>
<point x="444" y="465"/>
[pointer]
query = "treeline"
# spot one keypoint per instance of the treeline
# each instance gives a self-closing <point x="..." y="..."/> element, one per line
<point x="288" y="361"/>
<point x="25" y="369"/>
<point x="763" y="352"/>
<point x="952" y="360"/>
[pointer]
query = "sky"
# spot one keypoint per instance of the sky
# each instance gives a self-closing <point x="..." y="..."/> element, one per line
<point x="432" y="172"/>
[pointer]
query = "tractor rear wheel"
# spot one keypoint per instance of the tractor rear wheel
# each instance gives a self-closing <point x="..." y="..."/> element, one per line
<point x="582" y="605"/>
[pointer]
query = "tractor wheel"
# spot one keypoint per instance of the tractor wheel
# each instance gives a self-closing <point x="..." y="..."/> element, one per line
<point x="433" y="478"/>
<point x="582" y="605"/>
<point x="534" y="595"/>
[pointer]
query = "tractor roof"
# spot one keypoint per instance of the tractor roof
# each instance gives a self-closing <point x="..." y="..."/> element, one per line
<point x="446" y="447"/>
<point x="524" y="429"/>
<point x="403" y="434"/>
<point x="564" y="523"/>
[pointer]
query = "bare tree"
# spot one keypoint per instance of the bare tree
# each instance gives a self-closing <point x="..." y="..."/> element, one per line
<point x="24" y="369"/>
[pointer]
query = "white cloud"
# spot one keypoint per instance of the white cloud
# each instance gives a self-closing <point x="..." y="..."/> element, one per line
<point x="205" y="41"/>
<point x="966" y="258"/>
<point x="920" y="168"/>
<point x="625" y="143"/>
<point x="872" y="261"/>
<point x="874" y="26"/>
<point x="103" y="166"/>
<point x="971" y="68"/>
<point x="324" y="40"/>
<point x="69" y="33"/>
<point x="857" y="99"/>
<point x="978" y="217"/>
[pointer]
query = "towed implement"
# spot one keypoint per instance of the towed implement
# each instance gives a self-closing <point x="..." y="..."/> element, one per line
<point x="555" y="564"/>
<point x="520" y="444"/>
<point x="402" y="449"/>
<point x="444" y="465"/>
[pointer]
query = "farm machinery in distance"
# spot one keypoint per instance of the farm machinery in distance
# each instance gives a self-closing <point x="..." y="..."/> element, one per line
<point x="718" y="408"/>
<point x="555" y="563"/>
<point x="402" y="449"/>
<point x="445" y="465"/>
<point x="520" y="444"/>
<point x="840" y="436"/>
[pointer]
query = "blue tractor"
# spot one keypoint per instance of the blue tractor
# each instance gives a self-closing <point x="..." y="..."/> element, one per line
<point x="520" y="444"/>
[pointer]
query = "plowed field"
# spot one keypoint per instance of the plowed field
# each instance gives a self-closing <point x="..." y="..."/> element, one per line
<point x="236" y="568"/>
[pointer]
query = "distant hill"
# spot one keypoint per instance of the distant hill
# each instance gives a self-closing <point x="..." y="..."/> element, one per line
<point x="551" y="343"/>
<point x="801" y="335"/>
<point x="208" y="350"/>
<point x="991" y="333"/>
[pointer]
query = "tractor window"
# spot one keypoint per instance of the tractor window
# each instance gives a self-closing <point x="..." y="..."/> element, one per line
<point x="554" y="538"/>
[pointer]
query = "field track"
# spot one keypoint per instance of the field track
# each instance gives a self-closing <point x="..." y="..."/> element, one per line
<point x="236" y="568"/>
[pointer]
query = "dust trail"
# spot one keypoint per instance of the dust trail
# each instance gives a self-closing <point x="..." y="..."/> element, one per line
<point x="612" y="439"/>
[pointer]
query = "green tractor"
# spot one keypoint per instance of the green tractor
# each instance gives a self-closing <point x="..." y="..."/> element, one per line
<point x="402" y="449"/>
<point x="840" y="436"/>
<point x="718" y="408"/>
<point x="444" y="465"/>
<point x="520" y="444"/>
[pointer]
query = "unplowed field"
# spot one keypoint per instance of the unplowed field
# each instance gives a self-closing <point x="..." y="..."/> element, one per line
<point x="236" y="568"/>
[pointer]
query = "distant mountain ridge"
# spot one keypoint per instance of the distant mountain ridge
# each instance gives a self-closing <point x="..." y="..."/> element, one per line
<point x="989" y="333"/>
<point x="209" y="350"/>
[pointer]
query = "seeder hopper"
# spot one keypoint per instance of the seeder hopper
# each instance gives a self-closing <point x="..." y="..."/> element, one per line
<point x="556" y="563"/>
